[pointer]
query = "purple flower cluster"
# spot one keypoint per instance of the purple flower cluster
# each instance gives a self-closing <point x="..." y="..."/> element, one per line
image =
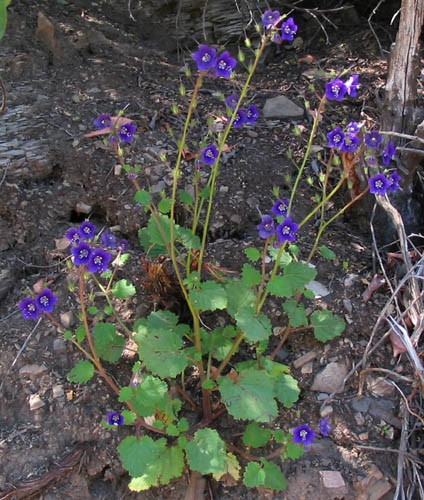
<point x="207" y="59"/>
<point x="287" y="30"/>
<point x="337" y="89"/>
<point x="285" y="231"/>
<point x="125" y="131"/>
<point x="33" y="308"/>
<point x="305" y="435"/>
<point x="381" y="184"/>
<point x="96" y="259"/>
<point x="249" y="115"/>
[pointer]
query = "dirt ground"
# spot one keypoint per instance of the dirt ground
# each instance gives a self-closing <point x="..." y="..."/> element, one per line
<point x="100" y="61"/>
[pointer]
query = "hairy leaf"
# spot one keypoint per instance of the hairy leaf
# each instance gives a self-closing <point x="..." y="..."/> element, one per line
<point x="250" y="275"/>
<point x="149" y="396"/>
<point x="123" y="289"/>
<point x="232" y="469"/>
<point x="254" y="475"/>
<point x="240" y="296"/>
<point x="274" y="478"/>
<point x="108" y="344"/>
<point x="206" y="452"/>
<point x="256" y="328"/>
<point x="82" y="372"/>
<point x="256" y="436"/>
<point x="210" y="297"/>
<point x="296" y="313"/>
<point x="326" y="325"/>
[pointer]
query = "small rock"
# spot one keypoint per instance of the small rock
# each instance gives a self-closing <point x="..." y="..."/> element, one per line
<point x="363" y="436"/>
<point x="361" y="404"/>
<point x="83" y="208"/>
<point x="35" y="402"/>
<point x="374" y="486"/>
<point x="350" y="280"/>
<point x="223" y="189"/>
<point x="359" y="418"/>
<point x="317" y="288"/>
<point x="330" y="379"/>
<point x="58" y="391"/>
<point x="347" y="303"/>
<point x="67" y="319"/>
<point x="157" y="188"/>
<point x="59" y="345"/>
<point x="326" y="411"/>
<point x="308" y="368"/>
<point x="306" y="358"/>
<point x="236" y="218"/>
<point x="45" y="33"/>
<point x="34" y="370"/>
<point x="252" y="133"/>
<point x="282" y="107"/>
<point x="332" y="479"/>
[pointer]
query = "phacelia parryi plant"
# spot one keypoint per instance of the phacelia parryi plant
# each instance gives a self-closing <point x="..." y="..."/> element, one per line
<point x="156" y="403"/>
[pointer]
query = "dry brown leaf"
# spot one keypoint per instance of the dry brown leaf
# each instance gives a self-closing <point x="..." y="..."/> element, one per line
<point x="377" y="282"/>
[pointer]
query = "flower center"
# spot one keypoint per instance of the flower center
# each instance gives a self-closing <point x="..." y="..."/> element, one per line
<point x="206" y="57"/>
<point x="268" y="227"/>
<point x="222" y="65"/>
<point x="286" y="230"/>
<point x="98" y="260"/>
<point x="337" y="138"/>
<point x="303" y="435"/>
<point x="31" y="307"/>
<point x="379" y="184"/>
<point x="209" y="154"/>
<point x="87" y="230"/>
<point x="83" y="254"/>
<point x="335" y="89"/>
<point x="44" y="300"/>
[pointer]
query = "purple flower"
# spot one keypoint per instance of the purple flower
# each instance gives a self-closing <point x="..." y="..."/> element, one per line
<point x="240" y="118"/>
<point x="353" y="127"/>
<point x="335" y="90"/>
<point x="287" y="230"/>
<point x="280" y="207"/>
<point x="123" y="245"/>
<point x="108" y="240"/>
<point x="210" y="154"/>
<point x="335" y="138"/>
<point x="82" y="253"/>
<point x="266" y="227"/>
<point x="389" y="153"/>
<point x="379" y="184"/>
<point x="115" y="418"/>
<point x="303" y="434"/>
<point x="277" y="38"/>
<point x="126" y="132"/>
<point x="352" y="84"/>
<point x="270" y="17"/>
<point x="99" y="261"/>
<point x="288" y="29"/>
<point x="73" y="235"/>
<point x="394" y="180"/>
<point x="102" y="121"/>
<point x="350" y="143"/>
<point x="252" y="113"/>
<point x="86" y="230"/>
<point x="373" y="139"/>
<point x="324" y="427"/>
<point x="46" y="300"/>
<point x="205" y="57"/>
<point x="224" y="64"/>
<point x="29" y="308"/>
<point x="232" y="100"/>
<point x="371" y="160"/>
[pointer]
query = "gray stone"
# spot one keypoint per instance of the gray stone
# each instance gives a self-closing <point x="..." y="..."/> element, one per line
<point x="306" y="358"/>
<point x="67" y="319"/>
<point x="361" y="404"/>
<point x="59" y="345"/>
<point x="282" y="107"/>
<point x="35" y="402"/>
<point x="58" y="391"/>
<point x="326" y="411"/>
<point x="34" y="370"/>
<point x="332" y="479"/>
<point x="329" y="379"/>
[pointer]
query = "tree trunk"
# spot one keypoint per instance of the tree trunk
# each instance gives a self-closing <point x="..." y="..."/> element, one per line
<point x="400" y="109"/>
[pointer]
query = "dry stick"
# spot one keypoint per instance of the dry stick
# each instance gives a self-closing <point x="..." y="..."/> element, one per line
<point x="3" y="94"/>
<point x="372" y="29"/>
<point x="402" y="450"/>
<point x="404" y="136"/>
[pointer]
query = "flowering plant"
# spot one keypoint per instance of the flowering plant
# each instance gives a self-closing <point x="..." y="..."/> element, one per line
<point x="256" y="389"/>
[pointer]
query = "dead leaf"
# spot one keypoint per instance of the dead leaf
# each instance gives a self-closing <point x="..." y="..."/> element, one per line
<point x="377" y="282"/>
<point x="308" y="59"/>
<point x="39" y="286"/>
<point x="62" y="243"/>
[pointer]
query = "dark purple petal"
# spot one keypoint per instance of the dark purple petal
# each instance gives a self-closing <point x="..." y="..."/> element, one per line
<point x="205" y="57"/>
<point x="240" y="119"/>
<point x="303" y="434"/>
<point x="280" y="208"/>
<point x="379" y="184"/>
<point x="210" y="154"/>
<point x="325" y="427"/>
<point x="335" y="138"/>
<point x="108" y="240"/>
<point x="287" y="230"/>
<point x="123" y="245"/>
<point x="394" y="180"/>
<point x="270" y="17"/>
<point x="335" y="90"/>
<point x="373" y="139"/>
<point x="126" y="132"/>
<point x="73" y="235"/>
<point x="266" y="228"/>
<point x="232" y="100"/>
<point x="352" y="84"/>
<point x="82" y="253"/>
<point x="288" y="29"/>
<point x="389" y="153"/>
<point x="99" y="261"/>
<point x="252" y="113"/>
<point x="29" y="308"/>
<point x="102" y="121"/>
<point x="353" y="127"/>
<point x="86" y="230"/>
<point x="350" y="143"/>
<point x="115" y="418"/>
<point x="46" y="300"/>
<point x="225" y="64"/>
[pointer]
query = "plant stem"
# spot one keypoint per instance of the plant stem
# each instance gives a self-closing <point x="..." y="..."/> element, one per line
<point x="229" y="355"/>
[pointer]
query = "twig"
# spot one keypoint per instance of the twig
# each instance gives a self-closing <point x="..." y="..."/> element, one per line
<point x="5" y="172"/>
<point x="129" y="11"/>
<point x="21" y="350"/>
<point x="3" y="94"/>
<point x="402" y="450"/>
<point x="404" y="136"/>
<point x="372" y="29"/>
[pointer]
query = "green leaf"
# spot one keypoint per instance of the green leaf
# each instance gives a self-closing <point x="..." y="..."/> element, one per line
<point x="239" y="296"/>
<point x="218" y="342"/>
<point x="137" y="455"/>
<point x="287" y="390"/>
<point x="281" y="436"/>
<point x="183" y="425"/>
<point x="92" y="310"/>
<point x="149" y="396"/>
<point x="210" y="297"/>
<point x="294" y="450"/>
<point x="129" y="417"/>
<point x="187" y="238"/>
<point x="165" y="205"/>
<point x="232" y="469"/>
<point x="82" y="372"/>
<point x="327" y="326"/>
<point x="186" y="197"/>
<point x="256" y="328"/>
<point x="205" y="192"/>
<point x="80" y="333"/>
<point x="143" y="198"/>
<point x="256" y="436"/>
<point x="252" y="254"/>
<point x="250" y="275"/>
<point x="280" y="286"/>
<point x="296" y="313"/>
<point x="327" y="253"/>
<point x="274" y="478"/>
<point x="3" y="16"/>
<point x="309" y="294"/>
<point x="170" y="463"/>
<point x="67" y="335"/>
<point x="123" y="289"/>
<point x="125" y="394"/>
<point x="208" y="384"/>
<point x="162" y="349"/>
<point x="299" y="273"/>
<point x="254" y="475"/>
<point x="285" y="260"/>
<point x="251" y="397"/>
<point x="206" y="452"/>
<point x="108" y="344"/>
<point x="108" y="310"/>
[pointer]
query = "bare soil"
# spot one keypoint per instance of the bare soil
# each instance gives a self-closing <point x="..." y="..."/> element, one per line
<point x="100" y="61"/>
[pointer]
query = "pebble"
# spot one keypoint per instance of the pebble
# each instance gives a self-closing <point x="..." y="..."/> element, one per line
<point x="361" y="404"/>
<point x="59" y="345"/>
<point x="67" y="319"/>
<point x="332" y="479"/>
<point x="282" y="107"/>
<point x="35" y="402"/>
<point x="329" y="379"/>
<point x="326" y="411"/>
<point x="83" y="208"/>
<point x="34" y="370"/>
<point x="58" y="391"/>
<point x="359" y="418"/>
<point x="306" y="358"/>
<point x="363" y="436"/>
<point x="308" y="368"/>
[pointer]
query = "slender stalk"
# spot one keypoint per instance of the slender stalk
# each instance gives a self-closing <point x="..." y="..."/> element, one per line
<point x="229" y="355"/>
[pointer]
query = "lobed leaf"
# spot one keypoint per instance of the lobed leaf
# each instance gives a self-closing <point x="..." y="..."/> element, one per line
<point x="206" y="452"/>
<point x="326" y="325"/>
<point x="239" y="296"/>
<point x="82" y="372"/>
<point x="256" y="436"/>
<point x="250" y="275"/>
<point x="108" y="344"/>
<point x="209" y="297"/>
<point x="256" y="328"/>
<point x="123" y="289"/>
<point x="296" y="313"/>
